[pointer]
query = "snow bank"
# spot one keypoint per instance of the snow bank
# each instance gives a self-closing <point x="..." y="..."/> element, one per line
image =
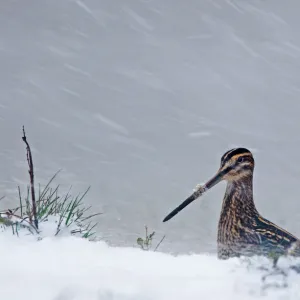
<point x="72" y="268"/>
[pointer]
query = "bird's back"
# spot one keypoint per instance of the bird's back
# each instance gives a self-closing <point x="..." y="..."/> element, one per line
<point x="274" y="238"/>
<point x="255" y="236"/>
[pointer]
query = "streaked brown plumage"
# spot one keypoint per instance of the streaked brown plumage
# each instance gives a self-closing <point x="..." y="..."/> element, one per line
<point x="241" y="229"/>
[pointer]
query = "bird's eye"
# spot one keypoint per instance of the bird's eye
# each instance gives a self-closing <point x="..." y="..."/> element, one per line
<point x="240" y="159"/>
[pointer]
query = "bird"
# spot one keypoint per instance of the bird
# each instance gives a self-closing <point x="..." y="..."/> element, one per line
<point x="242" y="230"/>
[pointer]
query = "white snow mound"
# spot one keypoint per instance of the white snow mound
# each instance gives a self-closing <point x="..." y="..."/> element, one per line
<point x="72" y="268"/>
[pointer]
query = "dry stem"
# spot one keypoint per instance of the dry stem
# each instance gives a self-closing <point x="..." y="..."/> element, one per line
<point x="31" y="174"/>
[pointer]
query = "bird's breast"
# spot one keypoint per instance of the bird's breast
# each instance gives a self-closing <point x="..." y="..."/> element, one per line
<point x="236" y="228"/>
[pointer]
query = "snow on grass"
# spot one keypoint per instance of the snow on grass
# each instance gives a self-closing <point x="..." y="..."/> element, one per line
<point x="75" y="268"/>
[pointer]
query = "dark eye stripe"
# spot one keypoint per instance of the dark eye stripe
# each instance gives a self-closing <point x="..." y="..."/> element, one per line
<point x="245" y="158"/>
<point x="241" y="161"/>
<point x="229" y="154"/>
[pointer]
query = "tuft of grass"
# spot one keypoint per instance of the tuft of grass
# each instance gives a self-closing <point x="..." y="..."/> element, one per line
<point x="146" y="242"/>
<point x="66" y="212"/>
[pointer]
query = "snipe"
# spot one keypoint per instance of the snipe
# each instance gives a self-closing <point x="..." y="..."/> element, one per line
<point x="241" y="229"/>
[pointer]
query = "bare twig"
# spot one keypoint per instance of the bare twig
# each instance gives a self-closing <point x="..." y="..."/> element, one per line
<point x="20" y="198"/>
<point x="31" y="174"/>
<point x="159" y="243"/>
<point x="28" y="211"/>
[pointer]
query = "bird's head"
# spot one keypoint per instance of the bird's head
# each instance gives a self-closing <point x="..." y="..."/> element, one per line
<point x="236" y="164"/>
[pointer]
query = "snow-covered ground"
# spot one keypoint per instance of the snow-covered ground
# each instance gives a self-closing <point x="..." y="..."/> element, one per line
<point x="139" y="99"/>
<point x="74" y="269"/>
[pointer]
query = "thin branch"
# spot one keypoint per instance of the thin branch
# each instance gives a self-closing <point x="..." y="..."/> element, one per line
<point x="28" y="212"/>
<point x="31" y="174"/>
<point x="159" y="243"/>
<point x="20" y="198"/>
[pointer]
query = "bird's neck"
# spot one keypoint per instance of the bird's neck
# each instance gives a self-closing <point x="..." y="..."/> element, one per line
<point x="238" y="199"/>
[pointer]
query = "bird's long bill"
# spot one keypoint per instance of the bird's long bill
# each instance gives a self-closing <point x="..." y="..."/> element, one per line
<point x="209" y="184"/>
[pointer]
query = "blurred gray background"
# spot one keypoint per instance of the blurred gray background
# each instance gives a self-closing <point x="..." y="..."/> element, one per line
<point x="139" y="99"/>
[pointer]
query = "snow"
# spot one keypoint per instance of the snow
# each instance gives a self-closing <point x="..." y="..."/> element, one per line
<point x="52" y="225"/>
<point x="68" y="268"/>
<point x="139" y="100"/>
